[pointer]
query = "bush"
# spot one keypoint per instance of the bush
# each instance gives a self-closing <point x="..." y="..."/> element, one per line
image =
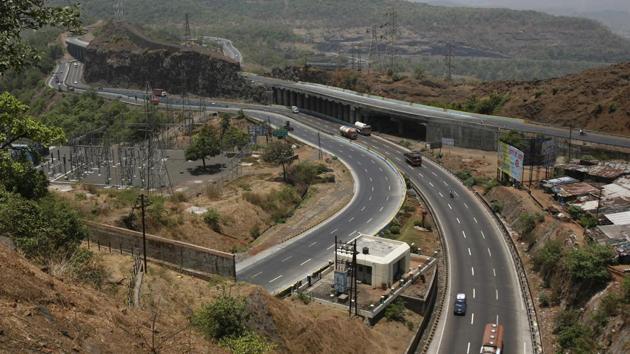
<point x="527" y="224"/>
<point x="625" y="289"/>
<point x="254" y="232"/>
<point x="405" y="143"/>
<point x="543" y="299"/>
<point x="587" y="268"/>
<point x="572" y="334"/>
<point x="44" y="230"/>
<point x="608" y="307"/>
<point x="278" y="203"/>
<point x="496" y="206"/>
<point x="179" y="197"/>
<point x="546" y="259"/>
<point x="304" y="297"/>
<point x="225" y="317"/>
<point x="395" y="229"/>
<point x="489" y="185"/>
<point x="304" y="173"/>
<point x="86" y="268"/>
<point x="213" y="219"/>
<point x="395" y="311"/>
<point x="249" y="343"/>
<point x="588" y="221"/>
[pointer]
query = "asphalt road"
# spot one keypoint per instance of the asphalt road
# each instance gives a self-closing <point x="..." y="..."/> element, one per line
<point x="441" y="114"/>
<point x="479" y="262"/>
<point x="379" y="192"/>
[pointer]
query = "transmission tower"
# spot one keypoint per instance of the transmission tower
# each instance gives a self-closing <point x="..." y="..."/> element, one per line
<point x="448" y="60"/>
<point x="187" y="34"/>
<point x="373" y="51"/>
<point x="392" y="34"/>
<point x="119" y="10"/>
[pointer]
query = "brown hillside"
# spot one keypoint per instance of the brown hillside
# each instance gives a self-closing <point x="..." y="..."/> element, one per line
<point x="42" y="314"/>
<point x="597" y="99"/>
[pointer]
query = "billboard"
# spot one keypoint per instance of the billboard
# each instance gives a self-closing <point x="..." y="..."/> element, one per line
<point x="511" y="161"/>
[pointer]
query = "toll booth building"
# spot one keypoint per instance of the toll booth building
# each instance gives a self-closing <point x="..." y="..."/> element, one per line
<point x="380" y="261"/>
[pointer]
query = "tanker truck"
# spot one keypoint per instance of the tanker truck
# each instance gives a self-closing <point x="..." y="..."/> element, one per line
<point x="348" y="132"/>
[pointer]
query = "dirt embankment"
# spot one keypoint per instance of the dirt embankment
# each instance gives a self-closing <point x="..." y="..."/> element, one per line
<point x="43" y="314"/>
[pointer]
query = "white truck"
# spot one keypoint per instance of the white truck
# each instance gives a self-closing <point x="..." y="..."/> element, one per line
<point x="348" y="132"/>
<point x="362" y="128"/>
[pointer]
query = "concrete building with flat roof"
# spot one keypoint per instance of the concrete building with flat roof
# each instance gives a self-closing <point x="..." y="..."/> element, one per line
<point x="380" y="261"/>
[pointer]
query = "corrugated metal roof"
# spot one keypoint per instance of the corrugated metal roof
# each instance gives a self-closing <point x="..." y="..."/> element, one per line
<point x="575" y="189"/>
<point x="622" y="218"/>
<point x="605" y="172"/>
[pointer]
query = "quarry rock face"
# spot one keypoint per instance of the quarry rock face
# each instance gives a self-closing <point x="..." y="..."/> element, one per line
<point x="121" y="56"/>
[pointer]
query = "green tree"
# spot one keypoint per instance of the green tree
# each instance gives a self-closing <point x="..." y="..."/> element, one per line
<point x="213" y="219"/>
<point x="46" y="229"/>
<point x="225" y="317"/>
<point x="204" y="144"/>
<point x="18" y="175"/>
<point x="546" y="260"/>
<point x="279" y="153"/>
<point x="235" y="138"/>
<point x="225" y="124"/>
<point x="587" y="268"/>
<point x="17" y="16"/>
<point x="249" y="343"/>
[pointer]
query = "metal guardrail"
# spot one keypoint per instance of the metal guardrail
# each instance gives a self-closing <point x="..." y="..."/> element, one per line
<point x="532" y="314"/>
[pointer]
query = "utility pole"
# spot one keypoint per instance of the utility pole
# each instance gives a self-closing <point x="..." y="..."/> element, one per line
<point x="354" y="276"/>
<point x="373" y="49"/>
<point x="392" y="34"/>
<point x="144" y="235"/>
<point x="570" y="139"/>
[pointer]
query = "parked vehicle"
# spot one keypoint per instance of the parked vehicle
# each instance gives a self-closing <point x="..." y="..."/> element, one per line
<point x="414" y="158"/>
<point x="294" y="109"/>
<point x="348" y="132"/>
<point x="362" y="128"/>
<point x="460" y="305"/>
<point x="492" y="339"/>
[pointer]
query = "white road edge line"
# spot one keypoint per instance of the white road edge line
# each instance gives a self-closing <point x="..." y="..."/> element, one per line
<point x="276" y="278"/>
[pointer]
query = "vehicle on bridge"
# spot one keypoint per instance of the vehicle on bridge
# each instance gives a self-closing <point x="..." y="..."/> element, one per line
<point x="414" y="158"/>
<point x="348" y="132"/>
<point x="363" y="129"/>
<point x="492" y="339"/>
<point x="460" y="305"/>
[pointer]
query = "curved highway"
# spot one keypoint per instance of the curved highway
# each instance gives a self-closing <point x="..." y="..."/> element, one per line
<point x="378" y="194"/>
<point x="480" y="264"/>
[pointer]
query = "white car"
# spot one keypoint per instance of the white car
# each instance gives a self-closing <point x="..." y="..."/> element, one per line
<point x="76" y="82"/>
<point x="294" y="109"/>
<point x="76" y="64"/>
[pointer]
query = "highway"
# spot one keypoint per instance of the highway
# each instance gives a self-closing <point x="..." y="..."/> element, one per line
<point x="480" y="264"/>
<point x="442" y="114"/>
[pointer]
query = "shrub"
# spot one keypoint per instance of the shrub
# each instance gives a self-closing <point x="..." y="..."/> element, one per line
<point x="608" y="307"/>
<point x="86" y="268"/>
<point x="213" y="219"/>
<point x="249" y="343"/>
<point x="527" y="224"/>
<point x="543" y="299"/>
<point x="304" y="297"/>
<point x="47" y="229"/>
<point x="394" y="229"/>
<point x="225" y="317"/>
<point x="572" y="334"/>
<point x="304" y="173"/>
<point x="489" y="185"/>
<point x="612" y="108"/>
<point x="587" y="269"/>
<point x="546" y="259"/>
<point x="588" y="221"/>
<point x="496" y="206"/>
<point x="178" y="197"/>
<point x="254" y="232"/>
<point x="395" y="311"/>
<point x="405" y="143"/>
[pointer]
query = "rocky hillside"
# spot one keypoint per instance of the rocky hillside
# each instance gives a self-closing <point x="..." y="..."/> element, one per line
<point x="597" y="99"/>
<point x="121" y="55"/>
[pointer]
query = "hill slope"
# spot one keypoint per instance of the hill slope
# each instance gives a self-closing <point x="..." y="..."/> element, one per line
<point x="424" y="29"/>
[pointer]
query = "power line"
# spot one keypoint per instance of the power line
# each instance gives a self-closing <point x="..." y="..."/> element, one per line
<point x="119" y="9"/>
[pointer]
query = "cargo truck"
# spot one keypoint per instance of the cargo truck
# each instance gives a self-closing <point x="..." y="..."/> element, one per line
<point x="159" y="93"/>
<point x="348" y="132"/>
<point x="363" y="128"/>
<point x="414" y="158"/>
<point x="492" y="339"/>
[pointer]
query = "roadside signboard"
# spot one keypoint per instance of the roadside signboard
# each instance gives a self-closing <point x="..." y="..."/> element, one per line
<point x="434" y="145"/>
<point x="280" y="133"/>
<point x="448" y="141"/>
<point x="511" y="161"/>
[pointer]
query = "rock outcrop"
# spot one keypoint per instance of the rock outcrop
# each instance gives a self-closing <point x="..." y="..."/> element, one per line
<point x="121" y="55"/>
